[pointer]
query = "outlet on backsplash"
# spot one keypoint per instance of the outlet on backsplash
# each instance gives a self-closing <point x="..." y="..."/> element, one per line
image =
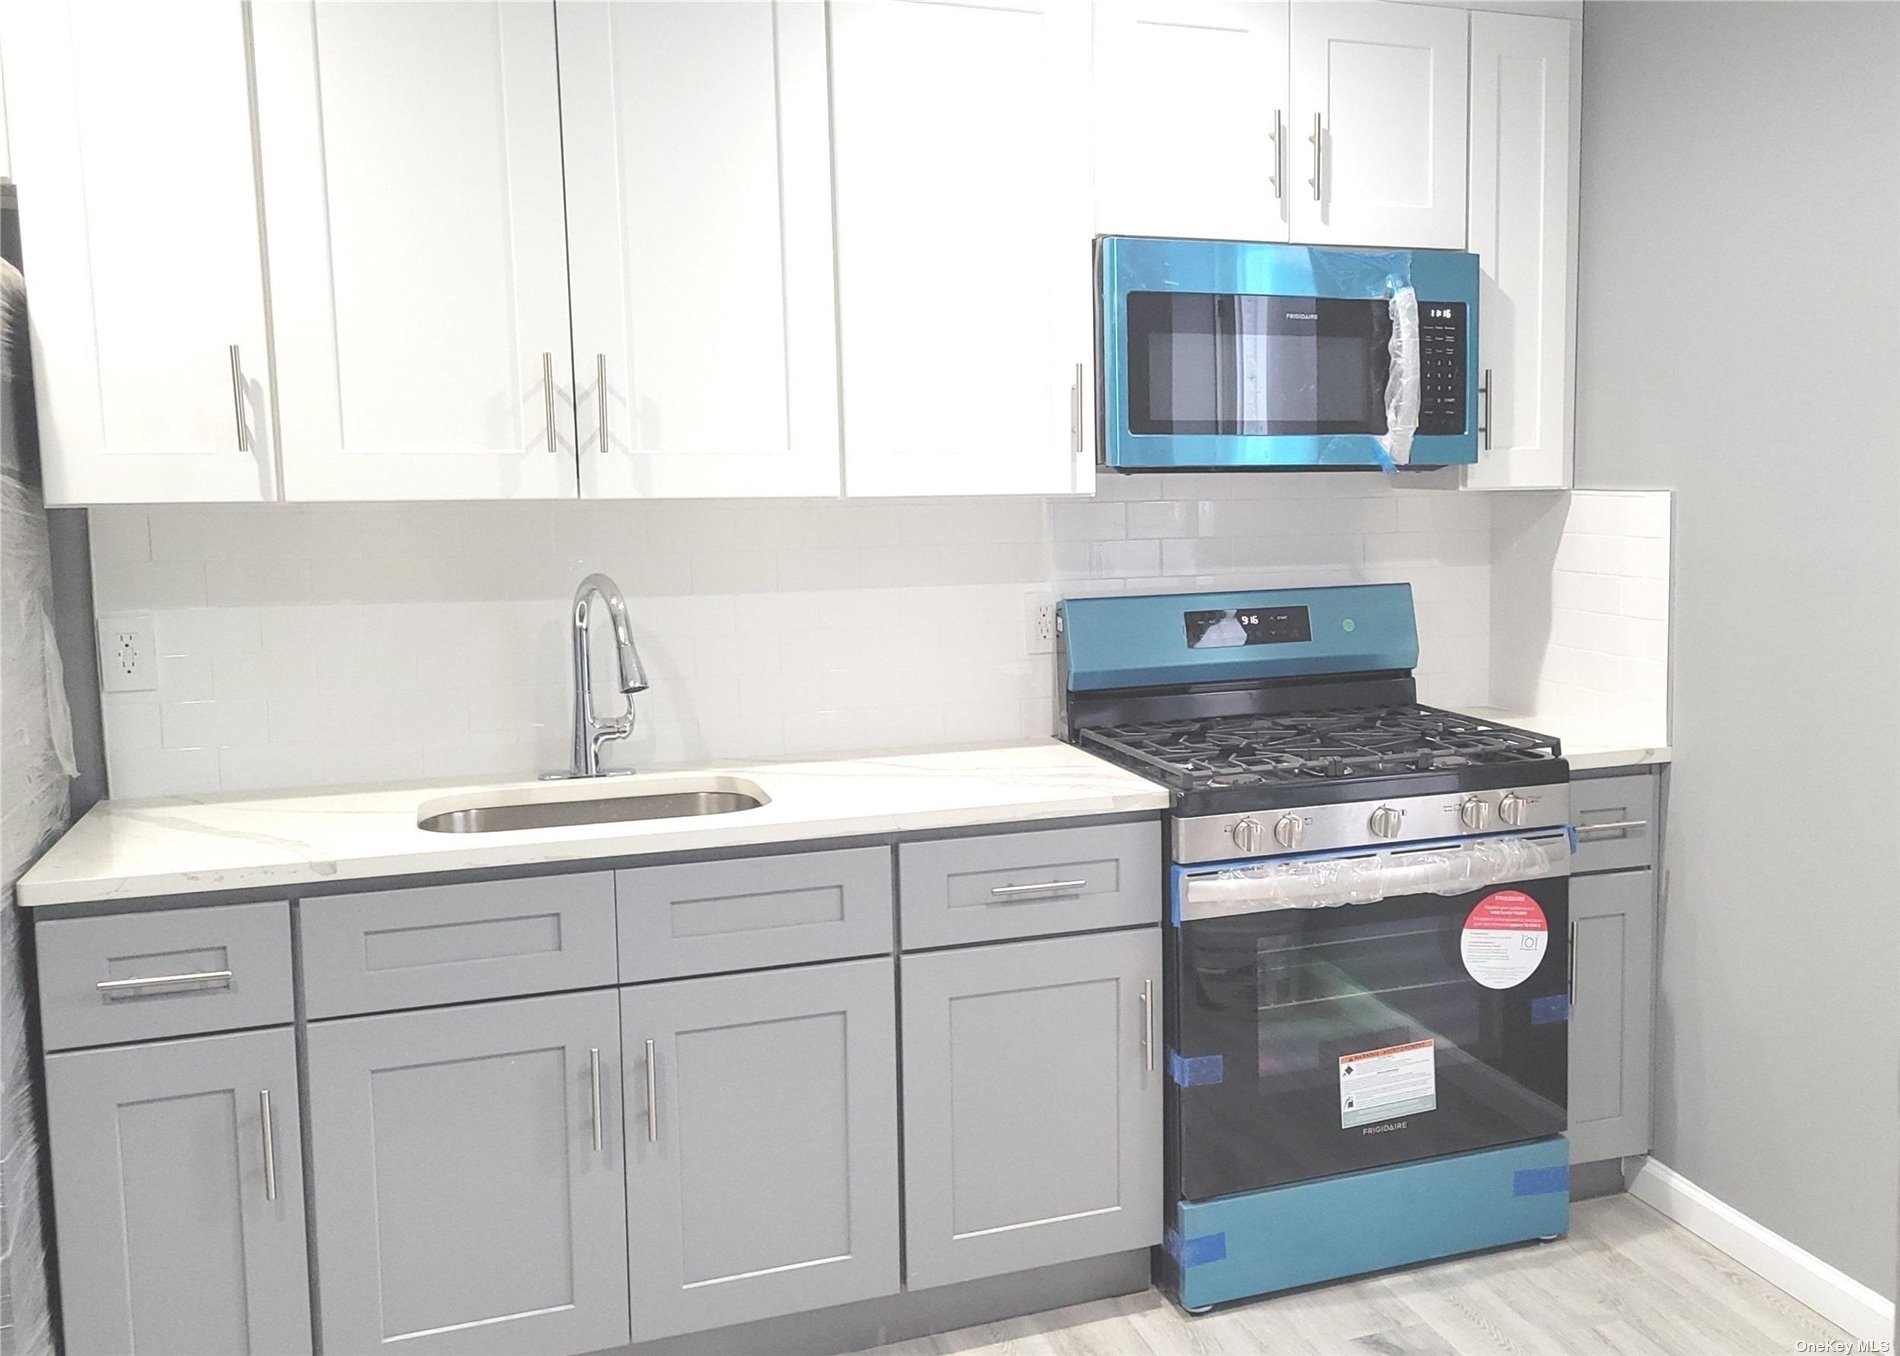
<point x="128" y="653"/>
<point x="1040" y="637"/>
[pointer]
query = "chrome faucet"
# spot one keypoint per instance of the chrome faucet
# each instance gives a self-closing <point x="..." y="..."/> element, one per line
<point x="591" y="732"/>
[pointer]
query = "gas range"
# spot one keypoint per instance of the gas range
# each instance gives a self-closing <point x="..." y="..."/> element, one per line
<point x="1287" y="722"/>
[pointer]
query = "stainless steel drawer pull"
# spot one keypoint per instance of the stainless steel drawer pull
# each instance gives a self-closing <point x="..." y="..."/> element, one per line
<point x="1075" y="413"/>
<point x="270" y="1146"/>
<point x="1573" y="965"/>
<point x="1613" y="826"/>
<point x="653" y="1098"/>
<point x="1484" y="397"/>
<point x="600" y="394"/>
<point x="1039" y="888"/>
<point x="547" y="398"/>
<point x="593" y="1077"/>
<point x="1279" y="156"/>
<point x="1148" y="1023"/>
<point x="1318" y="139"/>
<point x="135" y="988"/>
<point x="237" y="400"/>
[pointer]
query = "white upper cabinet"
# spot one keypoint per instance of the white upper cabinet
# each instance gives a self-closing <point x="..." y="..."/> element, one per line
<point x="1377" y="150"/>
<point x="1524" y="96"/>
<point x="698" y="150"/>
<point x="131" y="141"/>
<point x="1191" y="126"/>
<point x="412" y="173"/>
<point x="962" y="155"/>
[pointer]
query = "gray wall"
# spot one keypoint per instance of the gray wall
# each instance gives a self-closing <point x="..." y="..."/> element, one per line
<point x="1740" y="343"/>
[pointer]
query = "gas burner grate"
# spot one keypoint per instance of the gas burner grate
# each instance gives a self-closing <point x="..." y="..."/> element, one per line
<point x="1224" y="751"/>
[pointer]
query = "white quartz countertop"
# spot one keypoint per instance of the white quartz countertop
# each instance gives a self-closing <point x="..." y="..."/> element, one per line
<point x="175" y="846"/>
<point x="1591" y="744"/>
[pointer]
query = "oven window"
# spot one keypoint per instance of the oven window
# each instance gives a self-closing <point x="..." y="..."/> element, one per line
<point x="1203" y="362"/>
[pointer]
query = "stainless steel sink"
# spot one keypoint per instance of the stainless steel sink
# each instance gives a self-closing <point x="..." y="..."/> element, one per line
<point x="555" y="814"/>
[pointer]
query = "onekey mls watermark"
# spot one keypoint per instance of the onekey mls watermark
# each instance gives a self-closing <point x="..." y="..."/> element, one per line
<point x="1843" y="1345"/>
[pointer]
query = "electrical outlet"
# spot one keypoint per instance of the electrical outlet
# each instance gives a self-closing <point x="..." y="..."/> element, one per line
<point x="1041" y="621"/>
<point x="128" y="653"/>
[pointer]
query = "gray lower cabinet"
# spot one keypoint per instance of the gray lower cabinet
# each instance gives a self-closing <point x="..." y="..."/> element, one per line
<point x="1613" y="918"/>
<point x="467" y="1165"/>
<point x="761" y="1114"/>
<point x="173" y="1238"/>
<point x="1032" y="1103"/>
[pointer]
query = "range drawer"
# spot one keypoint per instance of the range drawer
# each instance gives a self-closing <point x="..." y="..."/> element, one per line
<point x="1002" y="885"/>
<point x="418" y="947"/>
<point x="702" y="918"/>
<point x="1615" y="820"/>
<point x="180" y="972"/>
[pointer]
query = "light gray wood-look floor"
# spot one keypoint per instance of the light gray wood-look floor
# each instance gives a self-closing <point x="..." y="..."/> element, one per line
<point x="1625" y="1280"/>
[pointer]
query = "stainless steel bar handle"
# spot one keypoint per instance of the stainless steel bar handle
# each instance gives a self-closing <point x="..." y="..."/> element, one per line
<point x="1279" y="156"/>
<point x="593" y="1078"/>
<point x="120" y="988"/>
<point x="1075" y="413"/>
<point x="1039" y="888"/>
<point x="1148" y="1023"/>
<point x="547" y="398"/>
<point x="237" y="400"/>
<point x="1573" y="965"/>
<point x="600" y="394"/>
<point x="1612" y="826"/>
<point x="1318" y="138"/>
<point x="270" y="1146"/>
<point x="1484" y="394"/>
<point x="653" y="1099"/>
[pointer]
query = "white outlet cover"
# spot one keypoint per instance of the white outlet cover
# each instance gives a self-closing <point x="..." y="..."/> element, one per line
<point x="128" y="652"/>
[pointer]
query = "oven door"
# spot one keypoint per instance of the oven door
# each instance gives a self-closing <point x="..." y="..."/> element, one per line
<point x="1219" y="353"/>
<point x="1333" y="1014"/>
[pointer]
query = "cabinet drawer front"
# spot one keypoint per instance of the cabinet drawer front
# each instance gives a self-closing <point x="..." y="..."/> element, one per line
<point x="1615" y="820"/>
<point x="701" y="918"/>
<point x="389" y="949"/>
<point x="180" y="972"/>
<point x="1029" y="884"/>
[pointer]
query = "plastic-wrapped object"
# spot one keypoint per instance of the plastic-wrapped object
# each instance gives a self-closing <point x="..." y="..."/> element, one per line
<point x="1330" y="882"/>
<point x="1402" y="383"/>
<point x="1371" y="273"/>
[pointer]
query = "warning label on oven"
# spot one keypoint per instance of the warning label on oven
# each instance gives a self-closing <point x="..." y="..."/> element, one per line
<point x="1504" y="939"/>
<point x="1378" y="1085"/>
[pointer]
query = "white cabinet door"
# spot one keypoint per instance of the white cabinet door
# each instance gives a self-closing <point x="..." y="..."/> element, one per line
<point x="1191" y="119"/>
<point x="1523" y="187"/>
<point x="412" y="172"/>
<point x="964" y="239"/>
<point x="1382" y="88"/>
<point x="139" y="217"/>
<point x="698" y="156"/>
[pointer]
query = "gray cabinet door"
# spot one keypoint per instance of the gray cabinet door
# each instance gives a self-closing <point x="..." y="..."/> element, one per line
<point x="1032" y="1104"/>
<point x="469" y="1180"/>
<point x="172" y="1239"/>
<point x="762" y="1174"/>
<point x="1613" y="921"/>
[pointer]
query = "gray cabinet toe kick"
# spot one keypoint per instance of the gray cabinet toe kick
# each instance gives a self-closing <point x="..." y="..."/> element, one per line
<point x="567" y="1113"/>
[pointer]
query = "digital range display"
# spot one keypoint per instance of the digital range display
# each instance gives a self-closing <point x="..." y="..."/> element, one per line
<point x="1219" y="630"/>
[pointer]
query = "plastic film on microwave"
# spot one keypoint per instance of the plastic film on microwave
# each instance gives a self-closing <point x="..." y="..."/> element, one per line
<point x="1324" y="883"/>
<point x="1369" y="273"/>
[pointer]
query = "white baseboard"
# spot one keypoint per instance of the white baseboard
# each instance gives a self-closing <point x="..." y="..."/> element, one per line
<point x="1828" y="1291"/>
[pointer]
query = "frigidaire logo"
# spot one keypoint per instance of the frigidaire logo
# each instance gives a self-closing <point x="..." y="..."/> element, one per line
<point x="1381" y="1129"/>
<point x="1302" y="315"/>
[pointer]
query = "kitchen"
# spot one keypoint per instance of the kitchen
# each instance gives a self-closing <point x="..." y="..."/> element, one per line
<point x="432" y="346"/>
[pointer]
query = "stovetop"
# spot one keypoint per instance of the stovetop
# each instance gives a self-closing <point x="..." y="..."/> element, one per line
<point x="1325" y="756"/>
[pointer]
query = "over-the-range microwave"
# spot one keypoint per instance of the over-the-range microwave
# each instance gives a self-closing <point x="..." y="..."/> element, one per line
<point x="1231" y="355"/>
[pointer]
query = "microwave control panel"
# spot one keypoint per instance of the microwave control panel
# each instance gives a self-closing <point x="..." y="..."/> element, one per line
<point x="1441" y="361"/>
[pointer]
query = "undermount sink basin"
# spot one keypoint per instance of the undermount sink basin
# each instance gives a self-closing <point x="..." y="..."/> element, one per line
<point x="555" y="812"/>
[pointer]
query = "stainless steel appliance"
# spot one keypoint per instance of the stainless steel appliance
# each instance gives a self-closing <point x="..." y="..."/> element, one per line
<point x="1368" y="960"/>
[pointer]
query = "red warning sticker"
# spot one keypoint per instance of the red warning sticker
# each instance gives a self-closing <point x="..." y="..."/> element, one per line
<point x="1504" y="939"/>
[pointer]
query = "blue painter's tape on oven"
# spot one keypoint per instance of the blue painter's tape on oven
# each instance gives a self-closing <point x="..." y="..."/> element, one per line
<point x="1553" y="1007"/>
<point x="1358" y="1222"/>
<point x="1194" y="1071"/>
<point x="1194" y="1252"/>
<point x="1540" y="1181"/>
<point x="1570" y="832"/>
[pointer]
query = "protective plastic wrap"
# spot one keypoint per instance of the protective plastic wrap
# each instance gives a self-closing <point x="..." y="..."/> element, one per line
<point x="1403" y="382"/>
<point x="1328" y="882"/>
<point x="1368" y="273"/>
<point x="35" y="764"/>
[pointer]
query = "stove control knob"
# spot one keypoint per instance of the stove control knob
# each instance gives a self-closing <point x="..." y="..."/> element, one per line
<point x="1386" y="822"/>
<point x="1247" y="834"/>
<point x="1475" y="813"/>
<point x="1513" y="809"/>
<point x="1289" y="831"/>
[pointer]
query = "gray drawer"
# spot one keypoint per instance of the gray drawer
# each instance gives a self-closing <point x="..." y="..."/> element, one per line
<point x="1615" y="820"/>
<point x="984" y="889"/>
<point x="701" y="918"/>
<point x="418" y="947"/>
<point x="176" y="972"/>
